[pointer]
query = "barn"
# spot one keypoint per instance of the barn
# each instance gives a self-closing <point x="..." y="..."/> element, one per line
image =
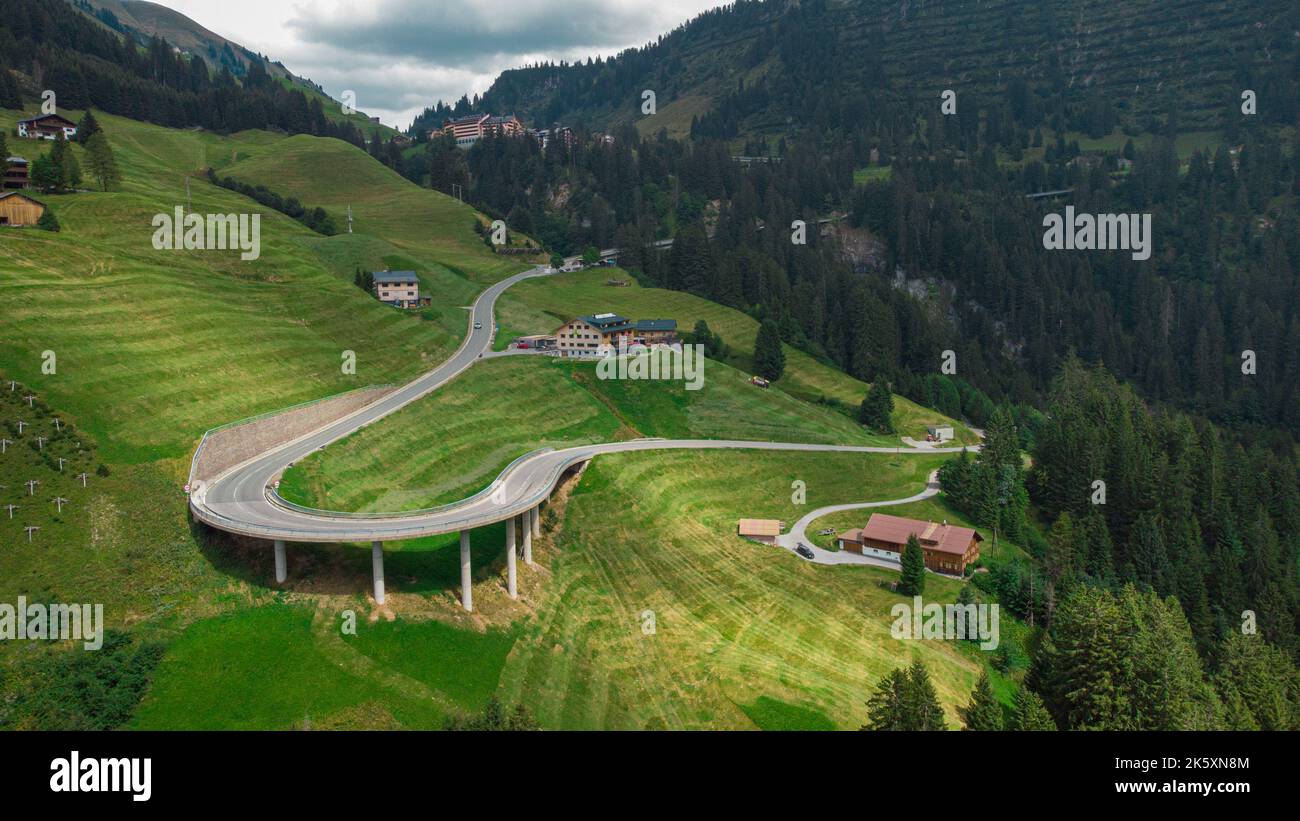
<point x="947" y="548"/>
<point x="760" y="530"/>
<point x="18" y="209"/>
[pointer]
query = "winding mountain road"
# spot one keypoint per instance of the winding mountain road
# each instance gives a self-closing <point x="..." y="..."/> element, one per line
<point x="241" y="499"/>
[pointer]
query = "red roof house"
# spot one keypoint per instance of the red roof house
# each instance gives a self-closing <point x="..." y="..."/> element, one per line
<point x="948" y="548"/>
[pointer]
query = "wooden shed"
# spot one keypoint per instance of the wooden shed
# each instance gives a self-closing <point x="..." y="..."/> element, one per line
<point x="16" y="208"/>
<point x="760" y="530"/>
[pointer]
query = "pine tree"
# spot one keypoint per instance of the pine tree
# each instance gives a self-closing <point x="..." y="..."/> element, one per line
<point x="87" y="128"/>
<point x="954" y="478"/>
<point x="984" y="712"/>
<point x="877" y="408"/>
<point x="912" y="580"/>
<point x="103" y="166"/>
<point x="59" y="160"/>
<point x="885" y="707"/>
<point x="1029" y="714"/>
<point x="921" y="710"/>
<point x="43" y="175"/>
<point x="1123" y="660"/>
<point x="905" y="700"/>
<point x="48" y="222"/>
<point x="769" y="358"/>
<point x="1258" y="684"/>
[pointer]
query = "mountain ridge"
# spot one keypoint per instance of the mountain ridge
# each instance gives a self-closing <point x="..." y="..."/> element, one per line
<point x="1143" y="57"/>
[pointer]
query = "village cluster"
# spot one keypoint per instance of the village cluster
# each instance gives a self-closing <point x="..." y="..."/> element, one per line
<point x="18" y="208"/>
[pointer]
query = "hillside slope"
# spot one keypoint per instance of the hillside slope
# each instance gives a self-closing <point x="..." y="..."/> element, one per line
<point x="780" y="66"/>
<point x="156" y="346"/>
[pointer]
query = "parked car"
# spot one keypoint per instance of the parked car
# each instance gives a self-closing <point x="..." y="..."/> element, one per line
<point x="804" y="551"/>
<point x="521" y="345"/>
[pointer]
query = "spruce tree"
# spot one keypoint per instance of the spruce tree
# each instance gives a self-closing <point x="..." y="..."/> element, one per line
<point x="1258" y="684"/>
<point x="102" y="164"/>
<point x="877" y="408"/>
<point x="885" y="707"/>
<point x="59" y="160"/>
<point x="983" y="712"/>
<point x="769" y="358"/>
<point x="912" y="580"/>
<point x="905" y="700"/>
<point x="87" y="128"/>
<point x="1029" y="714"/>
<point x="921" y="710"/>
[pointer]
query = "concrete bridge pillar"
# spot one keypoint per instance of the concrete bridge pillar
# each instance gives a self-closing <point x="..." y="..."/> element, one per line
<point x="466" y="580"/>
<point x="537" y="520"/>
<point x="377" y="566"/>
<point x="528" y="536"/>
<point x="281" y="562"/>
<point x="511" y="586"/>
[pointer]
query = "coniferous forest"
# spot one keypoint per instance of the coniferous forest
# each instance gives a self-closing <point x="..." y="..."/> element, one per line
<point x="1140" y="414"/>
<point x="1172" y="383"/>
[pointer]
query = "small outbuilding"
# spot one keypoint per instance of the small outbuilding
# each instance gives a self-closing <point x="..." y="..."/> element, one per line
<point x="18" y="209"/>
<point x="939" y="433"/>
<point x="760" y="530"/>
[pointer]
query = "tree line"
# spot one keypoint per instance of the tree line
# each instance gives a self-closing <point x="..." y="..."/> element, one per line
<point x="90" y="66"/>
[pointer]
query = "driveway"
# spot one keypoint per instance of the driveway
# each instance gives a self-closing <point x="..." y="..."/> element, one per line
<point x="798" y="533"/>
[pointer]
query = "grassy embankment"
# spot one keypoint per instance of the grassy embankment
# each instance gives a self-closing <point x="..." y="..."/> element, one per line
<point x="539" y="306"/>
<point x="153" y="347"/>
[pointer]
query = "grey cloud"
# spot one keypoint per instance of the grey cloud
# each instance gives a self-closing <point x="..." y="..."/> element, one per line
<point x="473" y="35"/>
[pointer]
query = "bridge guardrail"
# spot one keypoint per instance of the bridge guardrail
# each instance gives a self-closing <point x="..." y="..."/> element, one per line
<point x="274" y="497"/>
<point x="194" y="460"/>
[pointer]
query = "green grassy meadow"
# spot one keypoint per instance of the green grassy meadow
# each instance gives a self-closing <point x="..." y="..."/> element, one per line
<point x="737" y="625"/>
<point x="284" y="666"/>
<point x="541" y="305"/>
<point x="454" y="442"/>
<point x="155" y="347"/>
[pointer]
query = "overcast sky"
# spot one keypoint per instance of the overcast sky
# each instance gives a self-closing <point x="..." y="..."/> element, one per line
<point x="399" y="56"/>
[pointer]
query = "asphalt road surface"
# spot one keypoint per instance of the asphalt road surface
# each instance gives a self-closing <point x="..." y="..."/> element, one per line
<point x="239" y="500"/>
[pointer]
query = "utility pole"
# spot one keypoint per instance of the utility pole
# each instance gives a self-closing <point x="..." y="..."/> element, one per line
<point x="82" y="477"/>
<point x="31" y="486"/>
<point x="31" y="398"/>
<point x="30" y="530"/>
<point x="40" y="442"/>
<point x="21" y="423"/>
<point x="4" y="445"/>
<point x="11" y="509"/>
<point x="61" y="461"/>
<point x="58" y="424"/>
<point x="59" y="501"/>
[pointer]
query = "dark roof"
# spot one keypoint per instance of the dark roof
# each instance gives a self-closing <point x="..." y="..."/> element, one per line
<point x="656" y="324"/>
<point x="43" y="117"/>
<point x="395" y="276"/>
<point x="607" y="323"/>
